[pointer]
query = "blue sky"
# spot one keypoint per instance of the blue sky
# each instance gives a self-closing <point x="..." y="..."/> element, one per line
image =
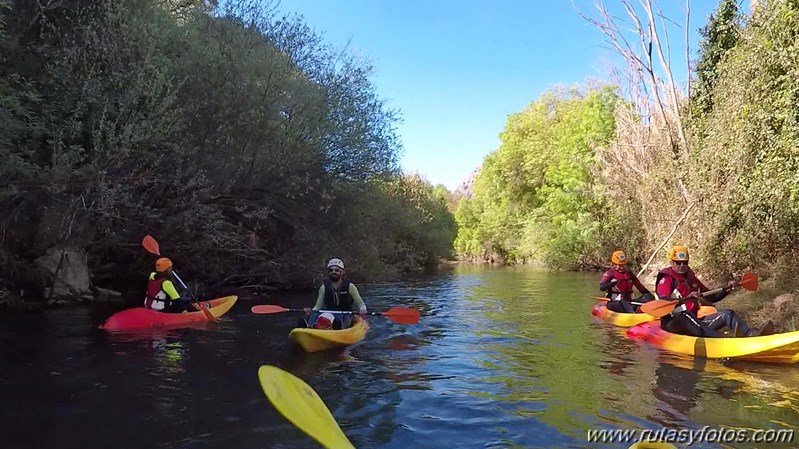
<point x="456" y="69"/>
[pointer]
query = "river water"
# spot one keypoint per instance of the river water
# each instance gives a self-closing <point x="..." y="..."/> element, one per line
<point x="501" y="358"/>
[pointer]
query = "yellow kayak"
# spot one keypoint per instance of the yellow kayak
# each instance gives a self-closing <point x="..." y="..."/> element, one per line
<point x="778" y="348"/>
<point x="312" y="340"/>
<point x="601" y="311"/>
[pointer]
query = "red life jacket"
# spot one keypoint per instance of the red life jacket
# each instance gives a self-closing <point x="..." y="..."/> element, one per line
<point x="684" y="284"/>
<point x="624" y="283"/>
<point x="155" y="291"/>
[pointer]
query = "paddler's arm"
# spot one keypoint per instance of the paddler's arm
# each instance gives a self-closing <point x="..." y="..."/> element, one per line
<point x="320" y="298"/>
<point x="607" y="282"/>
<point x="169" y="289"/>
<point x="664" y="288"/>
<point x="709" y="300"/>
<point x="712" y="299"/>
<point x="357" y="302"/>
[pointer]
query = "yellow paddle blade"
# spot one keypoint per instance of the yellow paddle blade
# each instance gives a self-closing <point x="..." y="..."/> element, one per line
<point x="300" y="404"/>
<point x="652" y="445"/>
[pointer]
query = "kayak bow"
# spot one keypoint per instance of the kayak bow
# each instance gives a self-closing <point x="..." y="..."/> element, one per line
<point x="312" y="340"/>
<point x="777" y="348"/>
<point x="600" y="311"/>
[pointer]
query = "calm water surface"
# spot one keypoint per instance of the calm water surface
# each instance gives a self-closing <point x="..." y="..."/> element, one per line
<point x="502" y="358"/>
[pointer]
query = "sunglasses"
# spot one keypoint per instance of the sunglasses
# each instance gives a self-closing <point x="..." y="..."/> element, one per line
<point x="680" y="262"/>
<point x="335" y="270"/>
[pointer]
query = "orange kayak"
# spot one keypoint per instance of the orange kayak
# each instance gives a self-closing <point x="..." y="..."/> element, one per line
<point x="143" y="318"/>
<point x="778" y="348"/>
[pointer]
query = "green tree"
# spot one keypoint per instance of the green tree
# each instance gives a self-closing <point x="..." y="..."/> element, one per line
<point x="748" y="164"/>
<point x="533" y="198"/>
<point x="239" y="138"/>
<point x="719" y="36"/>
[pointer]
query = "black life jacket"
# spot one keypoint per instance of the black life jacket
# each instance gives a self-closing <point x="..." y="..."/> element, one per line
<point x="338" y="299"/>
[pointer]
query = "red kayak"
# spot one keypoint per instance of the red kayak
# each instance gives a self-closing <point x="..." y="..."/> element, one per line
<point x="143" y="318"/>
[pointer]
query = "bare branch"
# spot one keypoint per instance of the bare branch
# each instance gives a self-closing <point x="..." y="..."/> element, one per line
<point x="687" y="10"/>
<point x="667" y="70"/>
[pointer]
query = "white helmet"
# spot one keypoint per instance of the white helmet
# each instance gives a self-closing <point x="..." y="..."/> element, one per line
<point x="335" y="263"/>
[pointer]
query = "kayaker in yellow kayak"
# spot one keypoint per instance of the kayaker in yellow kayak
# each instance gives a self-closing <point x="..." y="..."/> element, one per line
<point x="336" y="294"/>
<point x="679" y="280"/>
<point x="161" y="292"/>
<point x="618" y="283"/>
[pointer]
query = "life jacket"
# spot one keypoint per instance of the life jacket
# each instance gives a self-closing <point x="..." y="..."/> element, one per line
<point x="624" y="284"/>
<point x="684" y="285"/>
<point x="156" y="298"/>
<point x="338" y="299"/>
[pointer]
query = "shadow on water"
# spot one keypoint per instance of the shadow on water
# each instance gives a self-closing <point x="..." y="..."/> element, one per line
<point x="502" y="358"/>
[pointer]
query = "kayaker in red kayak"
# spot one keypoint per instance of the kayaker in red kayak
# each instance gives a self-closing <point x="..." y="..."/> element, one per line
<point x="679" y="280"/>
<point x="618" y="283"/>
<point x="336" y="294"/>
<point x="161" y="292"/>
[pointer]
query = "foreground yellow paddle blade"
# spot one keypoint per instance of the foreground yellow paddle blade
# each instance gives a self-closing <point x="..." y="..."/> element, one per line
<point x="300" y="404"/>
<point x="652" y="445"/>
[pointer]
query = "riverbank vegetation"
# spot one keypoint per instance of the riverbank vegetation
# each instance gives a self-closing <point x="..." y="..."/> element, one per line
<point x="249" y="148"/>
<point x="644" y="160"/>
<point x="253" y="151"/>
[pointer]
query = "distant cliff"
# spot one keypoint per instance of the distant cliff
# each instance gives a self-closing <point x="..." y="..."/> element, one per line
<point x="466" y="187"/>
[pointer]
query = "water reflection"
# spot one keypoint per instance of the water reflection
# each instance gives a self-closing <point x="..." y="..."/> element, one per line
<point x="502" y="358"/>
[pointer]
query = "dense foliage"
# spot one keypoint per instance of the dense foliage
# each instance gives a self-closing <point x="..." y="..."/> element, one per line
<point x="251" y="150"/>
<point x="539" y="199"/>
<point x="534" y="197"/>
<point x="748" y="162"/>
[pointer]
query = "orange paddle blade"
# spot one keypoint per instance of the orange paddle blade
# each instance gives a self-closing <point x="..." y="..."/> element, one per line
<point x="705" y="311"/>
<point x="749" y="281"/>
<point x="402" y="315"/>
<point x="658" y="307"/>
<point x="151" y="245"/>
<point x="267" y="309"/>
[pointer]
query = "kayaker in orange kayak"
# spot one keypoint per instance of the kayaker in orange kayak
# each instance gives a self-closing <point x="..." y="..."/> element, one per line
<point x="618" y="283"/>
<point x="336" y="294"/>
<point x="679" y="279"/>
<point x="161" y="292"/>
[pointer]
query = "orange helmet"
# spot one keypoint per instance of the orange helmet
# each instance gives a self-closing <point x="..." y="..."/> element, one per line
<point x="324" y="321"/>
<point x="162" y="264"/>
<point x="678" y="252"/>
<point x="619" y="258"/>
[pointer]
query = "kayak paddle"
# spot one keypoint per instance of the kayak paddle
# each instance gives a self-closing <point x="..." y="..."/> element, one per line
<point x="661" y="307"/>
<point x="151" y="245"/>
<point x="302" y="406"/>
<point x="602" y="298"/>
<point x="703" y="310"/>
<point x="401" y="315"/>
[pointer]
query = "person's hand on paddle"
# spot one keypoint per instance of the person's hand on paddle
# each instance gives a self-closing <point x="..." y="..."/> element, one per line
<point x="694" y="294"/>
<point x="731" y="285"/>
